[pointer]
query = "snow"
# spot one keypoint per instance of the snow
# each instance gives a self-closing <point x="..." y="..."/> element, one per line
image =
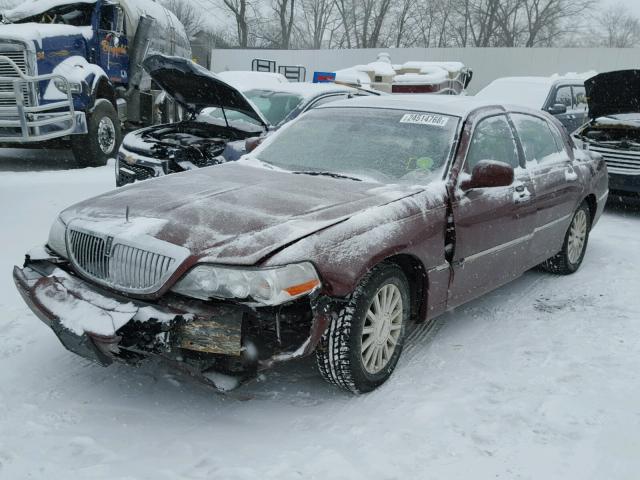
<point x="75" y="69"/>
<point x="35" y="7"/>
<point x="538" y="379"/>
<point x="35" y="32"/>
<point x="249" y="80"/>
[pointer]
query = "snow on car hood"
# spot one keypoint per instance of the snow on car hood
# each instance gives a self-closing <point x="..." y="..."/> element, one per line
<point x="236" y="213"/>
<point x="195" y="87"/>
<point x="613" y="93"/>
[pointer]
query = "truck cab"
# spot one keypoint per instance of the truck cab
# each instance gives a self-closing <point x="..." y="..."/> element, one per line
<point x="70" y="72"/>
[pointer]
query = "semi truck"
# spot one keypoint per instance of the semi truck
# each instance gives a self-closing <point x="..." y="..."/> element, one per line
<point x="71" y="75"/>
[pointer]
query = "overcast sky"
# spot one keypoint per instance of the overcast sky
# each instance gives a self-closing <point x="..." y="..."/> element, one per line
<point x="633" y="5"/>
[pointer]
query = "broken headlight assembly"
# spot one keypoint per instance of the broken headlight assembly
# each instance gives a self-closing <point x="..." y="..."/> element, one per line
<point x="57" y="238"/>
<point x="266" y="286"/>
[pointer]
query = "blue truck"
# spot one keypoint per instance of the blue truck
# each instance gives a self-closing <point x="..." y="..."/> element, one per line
<point x="71" y="75"/>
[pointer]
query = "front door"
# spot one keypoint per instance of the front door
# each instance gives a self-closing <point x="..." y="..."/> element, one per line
<point x="113" y="43"/>
<point x="493" y="226"/>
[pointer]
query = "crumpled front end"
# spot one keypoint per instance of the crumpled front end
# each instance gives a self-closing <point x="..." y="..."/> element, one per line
<point x="203" y="338"/>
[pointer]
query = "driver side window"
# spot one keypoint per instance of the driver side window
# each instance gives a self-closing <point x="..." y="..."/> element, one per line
<point x="492" y="140"/>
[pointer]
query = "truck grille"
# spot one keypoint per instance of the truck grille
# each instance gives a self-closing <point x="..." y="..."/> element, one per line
<point x="620" y="161"/>
<point x="6" y="70"/>
<point x="120" y="266"/>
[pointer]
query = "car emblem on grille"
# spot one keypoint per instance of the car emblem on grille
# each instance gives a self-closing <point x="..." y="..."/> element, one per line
<point x="107" y="247"/>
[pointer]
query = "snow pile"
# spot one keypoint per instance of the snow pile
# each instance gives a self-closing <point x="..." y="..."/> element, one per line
<point x="249" y="80"/>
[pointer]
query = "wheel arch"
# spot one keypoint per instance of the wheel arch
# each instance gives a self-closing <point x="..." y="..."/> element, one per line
<point x="104" y="89"/>
<point x="418" y="280"/>
<point x="592" y="203"/>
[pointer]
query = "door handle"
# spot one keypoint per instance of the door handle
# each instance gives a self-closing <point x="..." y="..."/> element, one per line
<point x="521" y="193"/>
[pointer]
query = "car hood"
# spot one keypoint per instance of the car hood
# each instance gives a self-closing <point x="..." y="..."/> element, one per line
<point x="233" y="213"/>
<point x="195" y="87"/>
<point x="613" y="93"/>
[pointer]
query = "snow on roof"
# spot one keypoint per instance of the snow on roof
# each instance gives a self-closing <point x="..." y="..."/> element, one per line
<point x="531" y="91"/>
<point x="353" y="76"/>
<point x="35" y="7"/>
<point x="456" y="105"/>
<point x="35" y="32"/>
<point x="305" y="89"/>
<point x="426" y="67"/>
<point x="247" y="80"/>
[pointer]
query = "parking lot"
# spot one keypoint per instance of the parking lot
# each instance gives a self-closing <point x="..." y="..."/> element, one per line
<point x="538" y="379"/>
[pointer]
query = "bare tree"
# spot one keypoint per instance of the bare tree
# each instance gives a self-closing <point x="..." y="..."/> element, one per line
<point x="240" y="11"/>
<point x="618" y="27"/>
<point x="189" y="15"/>
<point x="285" y="13"/>
<point x="316" y="18"/>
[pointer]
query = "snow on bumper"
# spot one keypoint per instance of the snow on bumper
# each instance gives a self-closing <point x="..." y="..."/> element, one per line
<point x="96" y="325"/>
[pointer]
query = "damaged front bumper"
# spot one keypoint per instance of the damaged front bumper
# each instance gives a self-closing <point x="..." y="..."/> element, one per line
<point x="200" y="336"/>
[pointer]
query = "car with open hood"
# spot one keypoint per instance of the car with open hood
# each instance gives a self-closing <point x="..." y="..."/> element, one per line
<point x="333" y="237"/>
<point x="614" y="127"/>
<point x="222" y="111"/>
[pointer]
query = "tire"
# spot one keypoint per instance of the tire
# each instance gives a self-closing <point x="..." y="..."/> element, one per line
<point x="340" y="356"/>
<point x="570" y="257"/>
<point x="103" y="137"/>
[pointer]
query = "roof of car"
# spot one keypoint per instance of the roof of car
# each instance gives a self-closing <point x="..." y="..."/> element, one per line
<point x="304" y="89"/>
<point x="457" y="105"/>
<point x="550" y="81"/>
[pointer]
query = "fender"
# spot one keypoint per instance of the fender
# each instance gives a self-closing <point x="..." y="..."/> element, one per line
<point x="103" y="88"/>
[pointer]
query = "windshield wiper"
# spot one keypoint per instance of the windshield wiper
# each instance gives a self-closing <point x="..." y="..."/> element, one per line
<point x="326" y="174"/>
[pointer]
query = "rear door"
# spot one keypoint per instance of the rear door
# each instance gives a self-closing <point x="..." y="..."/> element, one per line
<point x="493" y="226"/>
<point x="555" y="179"/>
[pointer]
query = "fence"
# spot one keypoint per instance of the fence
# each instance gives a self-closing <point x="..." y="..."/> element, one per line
<point x="487" y="63"/>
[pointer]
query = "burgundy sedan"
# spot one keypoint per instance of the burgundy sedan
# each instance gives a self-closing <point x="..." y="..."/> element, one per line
<point x="332" y="238"/>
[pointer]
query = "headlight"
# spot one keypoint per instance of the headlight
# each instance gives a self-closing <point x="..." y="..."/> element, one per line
<point x="56" y="240"/>
<point x="62" y="86"/>
<point x="268" y="286"/>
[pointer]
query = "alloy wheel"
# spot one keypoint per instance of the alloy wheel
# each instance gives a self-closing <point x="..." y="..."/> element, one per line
<point x="577" y="236"/>
<point x="382" y="328"/>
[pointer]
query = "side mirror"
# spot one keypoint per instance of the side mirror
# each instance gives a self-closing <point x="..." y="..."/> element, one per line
<point x="557" y="109"/>
<point x="489" y="173"/>
<point x="250" y="144"/>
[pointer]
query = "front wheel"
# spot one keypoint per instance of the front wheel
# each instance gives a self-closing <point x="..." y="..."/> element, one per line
<point x="364" y="340"/>
<point x="102" y="139"/>
<point x="570" y="257"/>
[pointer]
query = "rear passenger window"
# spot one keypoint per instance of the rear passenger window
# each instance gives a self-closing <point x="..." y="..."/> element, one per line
<point x="538" y="141"/>
<point x="580" y="98"/>
<point x="492" y="140"/>
<point x="563" y="96"/>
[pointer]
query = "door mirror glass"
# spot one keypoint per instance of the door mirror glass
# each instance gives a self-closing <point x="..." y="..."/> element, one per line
<point x="489" y="173"/>
<point x="557" y="109"/>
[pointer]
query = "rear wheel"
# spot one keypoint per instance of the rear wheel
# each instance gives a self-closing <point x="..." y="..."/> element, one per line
<point x="570" y="257"/>
<point x="363" y="343"/>
<point x="102" y="139"/>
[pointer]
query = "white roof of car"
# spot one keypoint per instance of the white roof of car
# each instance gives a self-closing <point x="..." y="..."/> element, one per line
<point x="456" y="105"/>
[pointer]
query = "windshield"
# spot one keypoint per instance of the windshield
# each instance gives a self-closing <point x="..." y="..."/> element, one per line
<point x="389" y="146"/>
<point x="274" y="106"/>
<point x="528" y="94"/>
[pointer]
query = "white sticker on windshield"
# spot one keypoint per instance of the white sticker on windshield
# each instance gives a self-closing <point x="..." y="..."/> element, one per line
<point x="425" y="119"/>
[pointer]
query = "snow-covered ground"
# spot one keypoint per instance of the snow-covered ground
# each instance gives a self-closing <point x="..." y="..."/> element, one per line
<point x="538" y="380"/>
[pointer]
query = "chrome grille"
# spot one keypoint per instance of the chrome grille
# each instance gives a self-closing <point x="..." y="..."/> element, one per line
<point x="619" y="161"/>
<point x="120" y="266"/>
<point x="6" y="70"/>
